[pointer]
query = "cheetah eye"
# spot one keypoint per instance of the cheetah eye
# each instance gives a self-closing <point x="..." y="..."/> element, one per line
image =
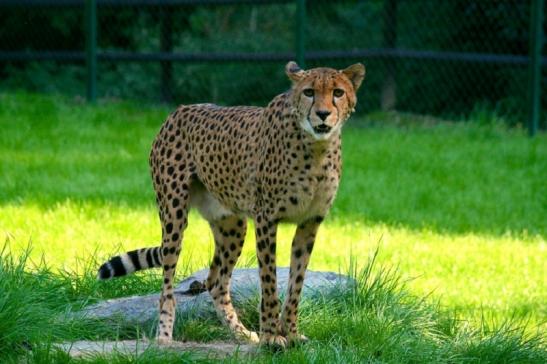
<point x="338" y="92"/>
<point x="308" y="92"/>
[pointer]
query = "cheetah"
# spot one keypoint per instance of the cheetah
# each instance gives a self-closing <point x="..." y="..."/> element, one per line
<point x="281" y="163"/>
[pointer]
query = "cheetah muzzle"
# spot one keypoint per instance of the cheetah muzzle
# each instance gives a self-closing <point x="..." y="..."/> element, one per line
<point x="281" y="163"/>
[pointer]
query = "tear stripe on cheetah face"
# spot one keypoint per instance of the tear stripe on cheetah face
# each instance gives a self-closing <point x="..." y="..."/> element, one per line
<point x="237" y="162"/>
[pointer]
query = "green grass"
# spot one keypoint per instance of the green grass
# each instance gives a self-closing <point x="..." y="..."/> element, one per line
<point x="457" y="211"/>
<point x="375" y="320"/>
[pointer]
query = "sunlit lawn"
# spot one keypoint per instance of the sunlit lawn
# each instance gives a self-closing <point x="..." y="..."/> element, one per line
<point x="461" y="210"/>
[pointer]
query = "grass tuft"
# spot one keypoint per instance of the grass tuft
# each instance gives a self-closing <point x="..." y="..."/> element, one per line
<point x="28" y="303"/>
<point x="371" y="318"/>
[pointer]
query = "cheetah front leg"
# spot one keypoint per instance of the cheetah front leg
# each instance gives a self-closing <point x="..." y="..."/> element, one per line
<point x="266" y="231"/>
<point x="229" y="234"/>
<point x="302" y="247"/>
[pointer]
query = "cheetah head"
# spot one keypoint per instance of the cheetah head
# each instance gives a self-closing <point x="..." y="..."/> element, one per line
<point x="324" y="98"/>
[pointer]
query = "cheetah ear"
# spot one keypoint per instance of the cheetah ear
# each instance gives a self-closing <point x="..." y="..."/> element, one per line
<point x="356" y="74"/>
<point x="293" y="71"/>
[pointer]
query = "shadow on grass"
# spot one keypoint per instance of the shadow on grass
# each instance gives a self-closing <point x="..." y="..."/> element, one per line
<point x="454" y="178"/>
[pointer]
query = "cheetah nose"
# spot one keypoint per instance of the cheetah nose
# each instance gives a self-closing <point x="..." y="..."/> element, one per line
<point x="322" y="114"/>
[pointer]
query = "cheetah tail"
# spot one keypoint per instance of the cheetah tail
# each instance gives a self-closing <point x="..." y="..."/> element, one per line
<point x="130" y="262"/>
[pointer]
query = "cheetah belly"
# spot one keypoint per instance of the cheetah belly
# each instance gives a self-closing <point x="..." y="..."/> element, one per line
<point x="208" y="205"/>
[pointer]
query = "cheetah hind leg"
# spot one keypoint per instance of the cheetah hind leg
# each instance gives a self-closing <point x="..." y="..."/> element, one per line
<point x="229" y="234"/>
<point x="174" y="219"/>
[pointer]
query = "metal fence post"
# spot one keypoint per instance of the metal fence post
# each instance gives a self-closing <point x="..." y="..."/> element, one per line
<point x="534" y="76"/>
<point x="389" y="87"/>
<point x="166" y="47"/>
<point x="301" y="33"/>
<point x="91" y="48"/>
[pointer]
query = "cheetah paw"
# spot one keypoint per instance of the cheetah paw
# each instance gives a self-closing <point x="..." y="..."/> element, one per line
<point x="275" y="341"/>
<point x="247" y="336"/>
<point x="162" y="341"/>
<point x="295" y="339"/>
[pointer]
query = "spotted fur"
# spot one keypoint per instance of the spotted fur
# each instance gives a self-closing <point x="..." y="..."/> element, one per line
<point x="281" y="163"/>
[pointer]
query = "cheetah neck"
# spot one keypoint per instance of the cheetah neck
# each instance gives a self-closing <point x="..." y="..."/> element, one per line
<point x="295" y="172"/>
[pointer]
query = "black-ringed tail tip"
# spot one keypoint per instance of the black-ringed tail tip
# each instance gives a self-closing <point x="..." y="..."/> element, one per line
<point x="127" y="263"/>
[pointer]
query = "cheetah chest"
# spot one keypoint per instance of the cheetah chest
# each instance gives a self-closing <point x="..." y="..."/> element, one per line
<point x="309" y="198"/>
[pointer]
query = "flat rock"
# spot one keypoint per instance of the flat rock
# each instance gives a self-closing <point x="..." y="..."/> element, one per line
<point x="244" y="286"/>
<point x="79" y="349"/>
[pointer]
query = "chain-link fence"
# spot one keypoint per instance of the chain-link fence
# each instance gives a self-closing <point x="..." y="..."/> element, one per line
<point x="445" y="58"/>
